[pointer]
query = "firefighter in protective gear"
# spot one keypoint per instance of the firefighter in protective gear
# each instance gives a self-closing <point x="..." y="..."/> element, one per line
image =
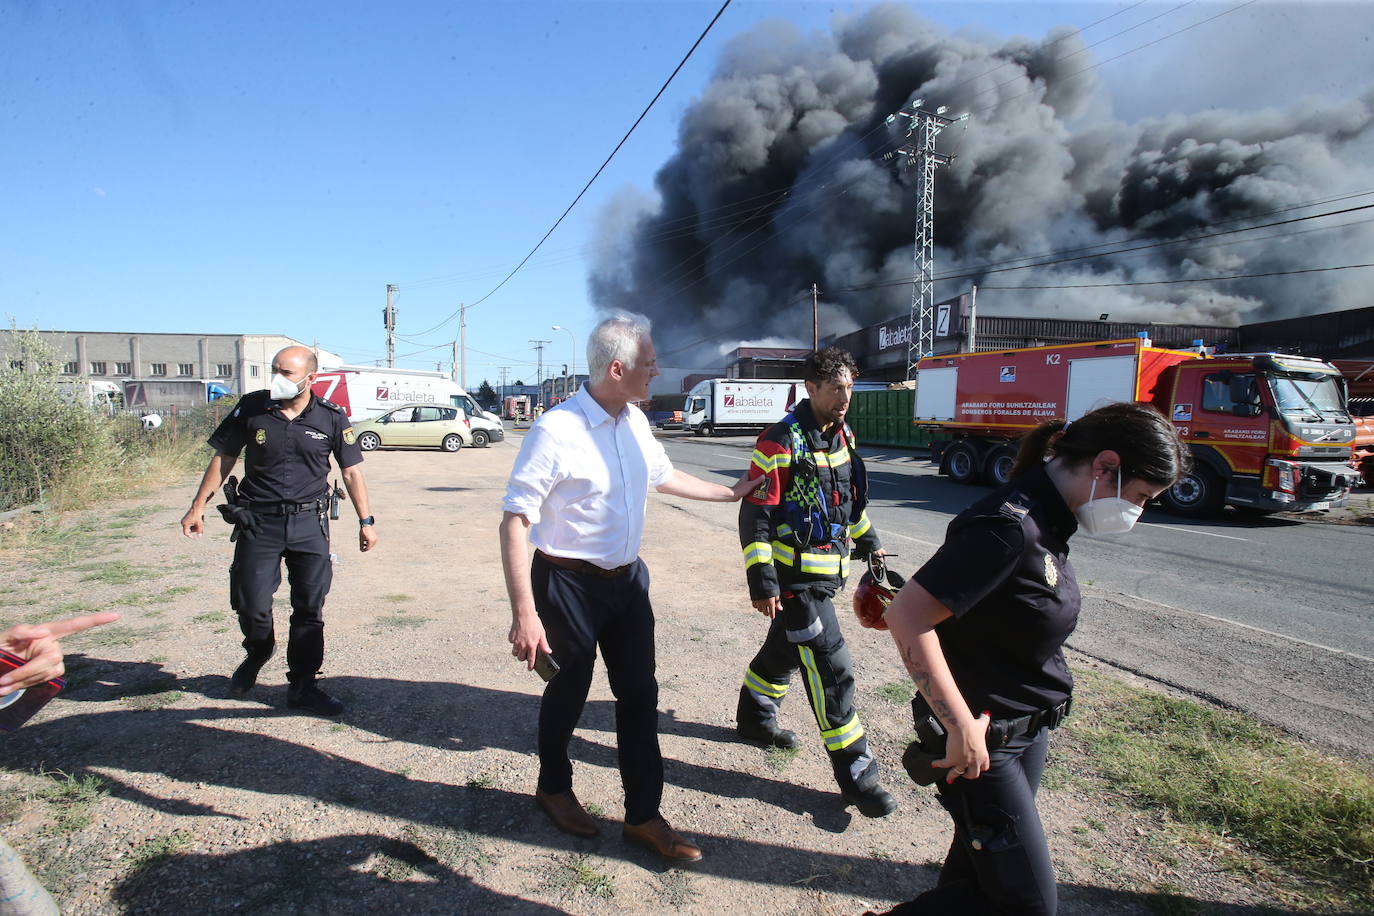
<point x="798" y="528"/>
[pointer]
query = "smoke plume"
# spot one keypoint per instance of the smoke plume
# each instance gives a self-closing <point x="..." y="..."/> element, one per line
<point x="780" y="181"/>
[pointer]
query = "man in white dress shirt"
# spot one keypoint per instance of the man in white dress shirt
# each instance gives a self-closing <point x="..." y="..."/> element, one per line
<point x="578" y="492"/>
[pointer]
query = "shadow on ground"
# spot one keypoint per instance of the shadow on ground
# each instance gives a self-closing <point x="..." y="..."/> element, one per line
<point x="189" y="743"/>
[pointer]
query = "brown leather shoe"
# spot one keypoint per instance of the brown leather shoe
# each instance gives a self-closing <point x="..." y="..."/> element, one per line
<point x="567" y="813"/>
<point x="663" y="839"/>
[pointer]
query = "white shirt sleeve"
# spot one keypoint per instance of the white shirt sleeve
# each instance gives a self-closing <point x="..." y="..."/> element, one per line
<point x="660" y="466"/>
<point x="533" y="476"/>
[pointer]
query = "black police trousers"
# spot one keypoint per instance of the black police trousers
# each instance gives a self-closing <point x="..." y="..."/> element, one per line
<point x="581" y="612"/>
<point x="302" y="540"/>
<point x="806" y="636"/>
<point x="999" y="862"/>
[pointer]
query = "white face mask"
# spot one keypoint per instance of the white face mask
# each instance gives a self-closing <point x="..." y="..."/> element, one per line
<point x="283" y="389"/>
<point x="1109" y="515"/>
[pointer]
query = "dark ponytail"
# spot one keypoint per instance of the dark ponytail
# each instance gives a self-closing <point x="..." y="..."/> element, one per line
<point x="1149" y="447"/>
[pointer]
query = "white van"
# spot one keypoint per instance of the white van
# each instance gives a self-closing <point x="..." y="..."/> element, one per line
<point x="365" y="391"/>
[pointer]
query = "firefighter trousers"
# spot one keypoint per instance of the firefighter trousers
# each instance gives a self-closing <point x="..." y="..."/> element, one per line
<point x="806" y="637"/>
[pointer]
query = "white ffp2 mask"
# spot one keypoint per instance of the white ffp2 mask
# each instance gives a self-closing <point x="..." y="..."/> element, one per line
<point x="1108" y="515"/>
<point x="283" y="389"/>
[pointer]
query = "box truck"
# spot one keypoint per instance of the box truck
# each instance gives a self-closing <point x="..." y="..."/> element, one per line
<point x="365" y="391"/>
<point x="1268" y="432"/>
<point x="158" y="394"/>
<point x="739" y="405"/>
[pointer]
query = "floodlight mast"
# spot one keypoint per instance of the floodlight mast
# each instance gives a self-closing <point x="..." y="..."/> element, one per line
<point x="923" y="126"/>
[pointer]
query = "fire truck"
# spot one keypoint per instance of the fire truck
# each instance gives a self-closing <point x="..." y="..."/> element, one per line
<point x="1268" y="432"/>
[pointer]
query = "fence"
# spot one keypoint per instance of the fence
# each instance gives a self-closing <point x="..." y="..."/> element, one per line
<point x="884" y="418"/>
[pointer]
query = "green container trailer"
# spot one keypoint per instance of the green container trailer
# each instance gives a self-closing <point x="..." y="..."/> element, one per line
<point x="884" y="418"/>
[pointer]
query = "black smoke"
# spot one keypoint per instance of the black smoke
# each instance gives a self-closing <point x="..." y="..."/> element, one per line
<point x="780" y="182"/>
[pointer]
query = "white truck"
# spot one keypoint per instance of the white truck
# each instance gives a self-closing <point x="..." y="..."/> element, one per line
<point x="718" y="405"/>
<point x="365" y="391"/>
<point x="99" y="395"/>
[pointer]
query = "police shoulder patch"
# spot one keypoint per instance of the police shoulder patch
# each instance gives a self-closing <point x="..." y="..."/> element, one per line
<point x="1051" y="571"/>
<point x="1013" y="509"/>
<point x="348" y="436"/>
<point x="260" y="437"/>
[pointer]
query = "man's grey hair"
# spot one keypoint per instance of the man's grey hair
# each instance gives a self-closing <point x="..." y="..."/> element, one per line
<point x="616" y="338"/>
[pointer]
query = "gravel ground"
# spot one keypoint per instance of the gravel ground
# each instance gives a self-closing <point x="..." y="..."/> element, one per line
<point x="418" y="800"/>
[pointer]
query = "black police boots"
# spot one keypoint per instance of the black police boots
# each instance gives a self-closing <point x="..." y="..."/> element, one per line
<point x="306" y="695"/>
<point x="246" y="674"/>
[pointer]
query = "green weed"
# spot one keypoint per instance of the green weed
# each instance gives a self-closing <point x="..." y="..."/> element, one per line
<point x="155" y="849"/>
<point x="898" y="693"/>
<point x="71" y="798"/>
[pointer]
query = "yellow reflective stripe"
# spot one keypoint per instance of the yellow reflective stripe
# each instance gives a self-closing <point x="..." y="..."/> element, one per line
<point x="837" y="739"/>
<point x="813" y="678"/>
<point x="757" y="552"/>
<point x="759" y="685"/>
<point x="784" y="529"/>
<point x="817" y="564"/>
<point x="770" y="463"/>
<point x="860" y="528"/>
<point x="832" y="459"/>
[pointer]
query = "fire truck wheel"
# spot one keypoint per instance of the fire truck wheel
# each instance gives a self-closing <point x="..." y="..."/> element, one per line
<point x="997" y="467"/>
<point x="1198" y="494"/>
<point x="479" y="438"/>
<point x="452" y="442"/>
<point x="368" y="442"/>
<point x="961" y="461"/>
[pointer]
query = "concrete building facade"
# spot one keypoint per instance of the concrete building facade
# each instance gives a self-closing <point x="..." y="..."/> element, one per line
<point x="240" y="362"/>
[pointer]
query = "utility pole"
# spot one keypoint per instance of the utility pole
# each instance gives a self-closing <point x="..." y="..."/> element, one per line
<point x="923" y="126"/>
<point x="453" y="365"/>
<point x="504" y="370"/>
<point x="463" y="339"/>
<point x="539" y="372"/>
<point x="389" y="316"/>
<point x="815" y="321"/>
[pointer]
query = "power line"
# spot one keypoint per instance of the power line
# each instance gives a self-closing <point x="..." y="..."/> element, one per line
<point x="662" y="89"/>
<point x="1271" y="273"/>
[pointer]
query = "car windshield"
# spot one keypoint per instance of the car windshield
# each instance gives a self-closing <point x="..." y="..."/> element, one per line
<point x="1318" y="397"/>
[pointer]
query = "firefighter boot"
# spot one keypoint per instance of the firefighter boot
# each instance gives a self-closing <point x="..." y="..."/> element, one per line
<point x="758" y="725"/>
<point x="857" y="776"/>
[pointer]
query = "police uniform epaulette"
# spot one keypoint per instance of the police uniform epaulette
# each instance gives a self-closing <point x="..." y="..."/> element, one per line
<point x="1016" y="507"/>
<point x="330" y="404"/>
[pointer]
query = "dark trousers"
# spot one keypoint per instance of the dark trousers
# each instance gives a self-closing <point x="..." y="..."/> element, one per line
<point x="1009" y="870"/>
<point x="579" y="613"/>
<point x="302" y="540"/>
<point x="806" y="636"/>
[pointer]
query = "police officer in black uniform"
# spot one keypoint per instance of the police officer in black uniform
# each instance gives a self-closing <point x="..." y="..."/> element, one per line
<point x="981" y="628"/>
<point x="282" y="513"/>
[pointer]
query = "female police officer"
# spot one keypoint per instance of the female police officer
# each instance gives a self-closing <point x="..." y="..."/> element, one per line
<point x="981" y="625"/>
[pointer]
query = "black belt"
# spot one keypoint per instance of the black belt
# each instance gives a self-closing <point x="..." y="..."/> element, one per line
<point x="582" y="566"/>
<point x="282" y="508"/>
<point x="1001" y="731"/>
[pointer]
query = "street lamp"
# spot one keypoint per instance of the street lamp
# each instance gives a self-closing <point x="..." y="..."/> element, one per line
<point x="571" y="381"/>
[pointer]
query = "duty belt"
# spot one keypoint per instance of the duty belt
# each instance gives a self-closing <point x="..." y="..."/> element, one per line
<point x="582" y="566"/>
<point x="287" y="508"/>
<point x="1001" y="731"/>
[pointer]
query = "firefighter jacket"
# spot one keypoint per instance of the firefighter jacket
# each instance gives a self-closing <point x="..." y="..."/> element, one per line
<point x="808" y="512"/>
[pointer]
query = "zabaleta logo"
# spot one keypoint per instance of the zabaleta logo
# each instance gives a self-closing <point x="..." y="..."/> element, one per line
<point x="400" y="394"/>
<point x="732" y="400"/>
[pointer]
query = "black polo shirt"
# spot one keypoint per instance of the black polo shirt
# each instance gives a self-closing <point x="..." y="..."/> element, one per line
<point x="1004" y="573"/>
<point x="287" y="460"/>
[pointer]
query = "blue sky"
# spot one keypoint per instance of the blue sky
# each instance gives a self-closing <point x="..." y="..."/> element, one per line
<point x="270" y="167"/>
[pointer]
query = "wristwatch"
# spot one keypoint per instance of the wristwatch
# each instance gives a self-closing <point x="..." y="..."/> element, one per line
<point x="364" y="522"/>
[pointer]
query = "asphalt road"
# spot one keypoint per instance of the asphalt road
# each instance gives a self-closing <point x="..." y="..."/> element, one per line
<point x="1271" y="616"/>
